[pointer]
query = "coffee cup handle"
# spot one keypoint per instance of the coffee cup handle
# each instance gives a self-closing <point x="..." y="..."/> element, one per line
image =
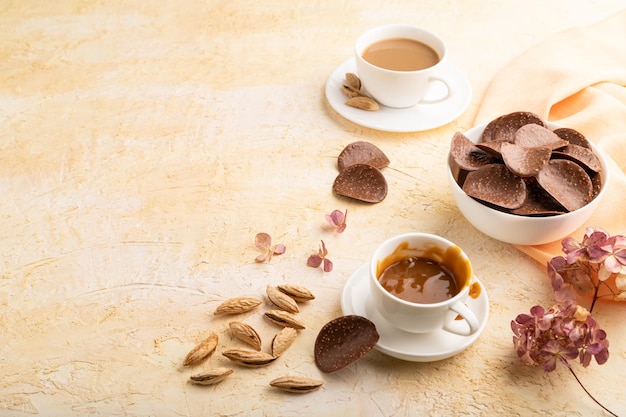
<point x="440" y="80"/>
<point x="468" y="316"/>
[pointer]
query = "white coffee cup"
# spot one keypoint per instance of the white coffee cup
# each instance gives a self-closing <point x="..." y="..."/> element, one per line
<point x="416" y="317"/>
<point x="400" y="89"/>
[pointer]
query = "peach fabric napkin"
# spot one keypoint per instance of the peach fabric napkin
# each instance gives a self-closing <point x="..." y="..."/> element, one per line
<point x="577" y="79"/>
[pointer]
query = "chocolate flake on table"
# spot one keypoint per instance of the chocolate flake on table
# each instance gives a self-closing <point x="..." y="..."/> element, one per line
<point x="362" y="152"/>
<point x="343" y="341"/>
<point x="558" y="170"/>
<point x="497" y="185"/>
<point x="361" y="182"/>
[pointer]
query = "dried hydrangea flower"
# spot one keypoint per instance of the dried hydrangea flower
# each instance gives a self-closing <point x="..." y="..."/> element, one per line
<point x="319" y="258"/>
<point x="337" y="219"/>
<point x="564" y="332"/>
<point x="589" y="265"/>
<point x="263" y="242"/>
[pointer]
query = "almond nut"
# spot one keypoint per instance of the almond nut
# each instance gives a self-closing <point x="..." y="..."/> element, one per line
<point x="284" y="319"/>
<point x="211" y="377"/>
<point x="296" y="384"/>
<point x="202" y="351"/>
<point x="250" y="358"/>
<point x="237" y="305"/>
<point x="245" y="333"/>
<point x="281" y="300"/>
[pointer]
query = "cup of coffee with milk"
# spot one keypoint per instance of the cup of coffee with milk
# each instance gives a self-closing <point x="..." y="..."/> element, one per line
<point x="397" y="63"/>
<point x="419" y="283"/>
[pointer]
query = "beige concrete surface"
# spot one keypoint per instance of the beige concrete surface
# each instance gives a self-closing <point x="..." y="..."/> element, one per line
<point x="143" y="145"/>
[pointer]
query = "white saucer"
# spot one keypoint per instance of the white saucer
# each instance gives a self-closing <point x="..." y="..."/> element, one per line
<point x="427" y="347"/>
<point x="412" y="119"/>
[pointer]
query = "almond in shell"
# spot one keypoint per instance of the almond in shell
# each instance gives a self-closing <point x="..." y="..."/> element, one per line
<point x="353" y="80"/>
<point x="363" y="103"/>
<point x="211" y="377"/>
<point x="281" y="300"/>
<point x="284" y="319"/>
<point x="296" y="384"/>
<point x="245" y="333"/>
<point x="202" y="351"/>
<point x="351" y="91"/>
<point x="249" y="358"/>
<point x="298" y="293"/>
<point x="283" y="339"/>
<point x="237" y="305"/>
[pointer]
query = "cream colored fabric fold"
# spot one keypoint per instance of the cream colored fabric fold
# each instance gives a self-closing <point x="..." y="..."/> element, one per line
<point x="578" y="79"/>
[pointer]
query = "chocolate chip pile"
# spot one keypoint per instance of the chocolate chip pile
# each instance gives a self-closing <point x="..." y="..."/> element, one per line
<point x="522" y="167"/>
<point x="359" y="176"/>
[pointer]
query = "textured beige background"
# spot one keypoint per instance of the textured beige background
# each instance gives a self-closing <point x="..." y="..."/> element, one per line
<point x="143" y="144"/>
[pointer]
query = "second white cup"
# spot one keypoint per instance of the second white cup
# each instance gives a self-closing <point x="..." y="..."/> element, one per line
<point x="424" y="316"/>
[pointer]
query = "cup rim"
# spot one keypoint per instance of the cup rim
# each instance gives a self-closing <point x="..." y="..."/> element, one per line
<point x="403" y="237"/>
<point x="441" y="50"/>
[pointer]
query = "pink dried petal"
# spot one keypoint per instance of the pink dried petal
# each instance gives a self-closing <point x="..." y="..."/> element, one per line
<point x="279" y="249"/>
<point x="261" y="258"/>
<point x="570" y="244"/>
<point x="323" y="252"/>
<point x="328" y="265"/>
<point x="620" y="254"/>
<point x="314" y="261"/>
<point x="550" y="364"/>
<point x="263" y="241"/>
<point x="602" y="356"/>
<point x="335" y="218"/>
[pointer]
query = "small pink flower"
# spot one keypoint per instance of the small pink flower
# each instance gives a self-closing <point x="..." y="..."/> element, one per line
<point x="263" y="242"/>
<point x="337" y="219"/>
<point x="319" y="258"/>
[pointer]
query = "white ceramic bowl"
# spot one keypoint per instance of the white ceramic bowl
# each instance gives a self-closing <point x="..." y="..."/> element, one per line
<point x="523" y="230"/>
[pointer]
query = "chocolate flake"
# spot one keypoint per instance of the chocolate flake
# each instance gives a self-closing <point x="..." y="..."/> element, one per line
<point x="525" y="162"/>
<point x="574" y="137"/>
<point x="467" y="155"/>
<point x="507" y="125"/>
<point x="538" y="203"/>
<point x="343" y="341"/>
<point x="487" y="135"/>
<point x="581" y="155"/>
<point x="497" y="185"/>
<point x="362" y="152"/>
<point x="567" y="182"/>
<point x="493" y="148"/>
<point x="361" y="182"/>
<point x="532" y="135"/>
